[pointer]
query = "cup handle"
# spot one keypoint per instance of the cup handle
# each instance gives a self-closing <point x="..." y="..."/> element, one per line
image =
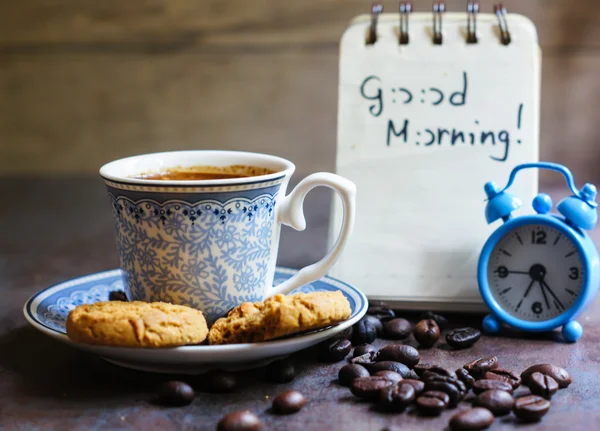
<point x="291" y="213"/>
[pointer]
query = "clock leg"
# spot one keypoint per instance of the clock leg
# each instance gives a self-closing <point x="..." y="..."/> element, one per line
<point x="491" y="324"/>
<point x="572" y="331"/>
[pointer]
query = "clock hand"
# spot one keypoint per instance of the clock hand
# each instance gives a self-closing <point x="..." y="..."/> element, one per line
<point x="524" y="296"/>
<point x="557" y="301"/>
<point x="545" y="296"/>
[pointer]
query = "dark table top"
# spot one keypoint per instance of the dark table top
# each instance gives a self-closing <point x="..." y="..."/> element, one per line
<point x="55" y="229"/>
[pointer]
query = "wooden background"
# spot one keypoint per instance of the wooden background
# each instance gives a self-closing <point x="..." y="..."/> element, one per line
<point x="85" y="81"/>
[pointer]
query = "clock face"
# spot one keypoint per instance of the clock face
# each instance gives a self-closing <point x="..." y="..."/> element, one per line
<point x="535" y="272"/>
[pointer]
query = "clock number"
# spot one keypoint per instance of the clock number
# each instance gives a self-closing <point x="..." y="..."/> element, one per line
<point x="573" y="273"/>
<point x="538" y="237"/>
<point x="502" y="271"/>
<point x="536" y="307"/>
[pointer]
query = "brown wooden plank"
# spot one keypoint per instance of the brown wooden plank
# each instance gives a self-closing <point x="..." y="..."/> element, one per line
<point x="240" y="25"/>
<point x="71" y="113"/>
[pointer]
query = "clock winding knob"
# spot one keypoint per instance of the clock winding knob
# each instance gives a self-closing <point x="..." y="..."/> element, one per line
<point x="542" y="203"/>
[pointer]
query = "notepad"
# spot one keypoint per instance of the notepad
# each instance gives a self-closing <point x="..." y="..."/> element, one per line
<point x="421" y="127"/>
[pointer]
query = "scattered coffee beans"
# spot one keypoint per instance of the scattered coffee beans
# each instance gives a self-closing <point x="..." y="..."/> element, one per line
<point x="448" y="385"/>
<point x="350" y="372"/>
<point x="500" y="403"/>
<point x="474" y="419"/>
<point x="462" y="338"/>
<point x="422" y="367"/>
<point x="485" y="385"/>
<point x="437" y="371"/>
<point x="561" y="375"/>
<point x="432" y="403"/>
<point x="397" y="397"/>
<point x="369" y="387"/>
<point x="390" y="375"/>
<point x="335" y="350"/>
<point x="417" y="385"/>
<point x="288" y="402"/>
<point x="220" y="381"/>
<point x="441" y="321"/>
<point x="117" y="295"/>
<point x="175" y="393"/>
<point x="374" y="321"/>
<point x="407" y="355"/>
<point x="364" y="348"/>
<point x="531" y="407"/>
<point x="396" y="329"/>
<point x="381" y="313"/>
<point x="426" y="332"/>
<point x="363" y="332"/>
<point x="479" y="366"/>
<point x="280" y="371"/>
<point x="397" y="367"/>
<point x="366" y="360"/>
<point x="504" y="375"/>
<point x="240" y="421"/>
<point x="464" y="376"/>
<point x="542" y="385"/>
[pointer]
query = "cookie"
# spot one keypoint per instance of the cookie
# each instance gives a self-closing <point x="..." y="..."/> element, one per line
<point x="279" y="316"/>
<point x="136" y="324"/>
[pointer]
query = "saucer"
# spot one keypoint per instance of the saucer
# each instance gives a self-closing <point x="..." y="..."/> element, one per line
<point x="47" y="311"/>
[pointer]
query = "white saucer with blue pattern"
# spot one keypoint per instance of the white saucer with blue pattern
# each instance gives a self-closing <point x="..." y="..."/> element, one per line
<point x="47" y="311"/>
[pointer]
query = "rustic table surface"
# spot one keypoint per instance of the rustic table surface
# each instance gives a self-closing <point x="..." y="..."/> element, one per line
<point x="60" y="228"/>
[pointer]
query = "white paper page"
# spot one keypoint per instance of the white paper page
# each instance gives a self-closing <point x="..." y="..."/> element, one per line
<point x="421" y="128"/>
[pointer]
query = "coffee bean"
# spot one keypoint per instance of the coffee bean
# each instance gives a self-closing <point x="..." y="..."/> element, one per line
<point x="542" y="385"/>
<point x="117" y="295"/>
<point x="479" y="366"/>
<point x="220" y="381"/>
<point x="240" y="421"/>
<point x="500" y="403"/>
<point x="462" y="338"/>
<point x="374" y="321"/>
<point x="561" y="375"/>
<point x="396" y="329"/>
<point x="364" y="348"/>
<point x="346" y="333"/>
<point x="464" y="376"/>
<point x="380" y="312"/>
<point x="350" y="372"/>
<point x="390" y="375"/>
<point x="505" y="375"/>
<point x="407" y="355"/>
<point x="435" y="370"/>
<point x="288" y="402"/>
<point x="432" y="403"/>
<point x="474" y="419"/>
<point x="369" y="387"/>
<point x="426" y="332"/>
<point x="485" y="385"/>
<point x="280" y="371"/>
<point x="413" y="375"/>
<point x="335" y="350"/>
<point x="366" y="360"/>
<point x="531" y="407"/>
<point x="363" y="332"/>
<point x="422" y="367"/>
<point x="175" y="393"/>
<point x="447" y="385"/>
<point x="397" y="397"/>
<point x="417" y="385"/>
<point x="440" y="320"/>
<point x="398" y="367"/>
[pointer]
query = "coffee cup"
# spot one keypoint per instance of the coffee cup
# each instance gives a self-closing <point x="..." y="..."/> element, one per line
<point x="212" y="244"/>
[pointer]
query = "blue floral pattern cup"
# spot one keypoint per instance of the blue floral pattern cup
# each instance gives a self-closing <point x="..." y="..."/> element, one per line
<point x="211" y="244"/>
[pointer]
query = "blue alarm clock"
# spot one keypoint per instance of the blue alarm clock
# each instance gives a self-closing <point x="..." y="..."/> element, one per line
<point x="538" y="272"/>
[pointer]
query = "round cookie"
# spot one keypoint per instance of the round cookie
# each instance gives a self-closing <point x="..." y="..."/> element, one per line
<point x="279" y="316"/>
<point x="136" y="324"/>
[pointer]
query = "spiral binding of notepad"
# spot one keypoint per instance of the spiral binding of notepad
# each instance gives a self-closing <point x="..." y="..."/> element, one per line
<point x="439" y="7"/>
